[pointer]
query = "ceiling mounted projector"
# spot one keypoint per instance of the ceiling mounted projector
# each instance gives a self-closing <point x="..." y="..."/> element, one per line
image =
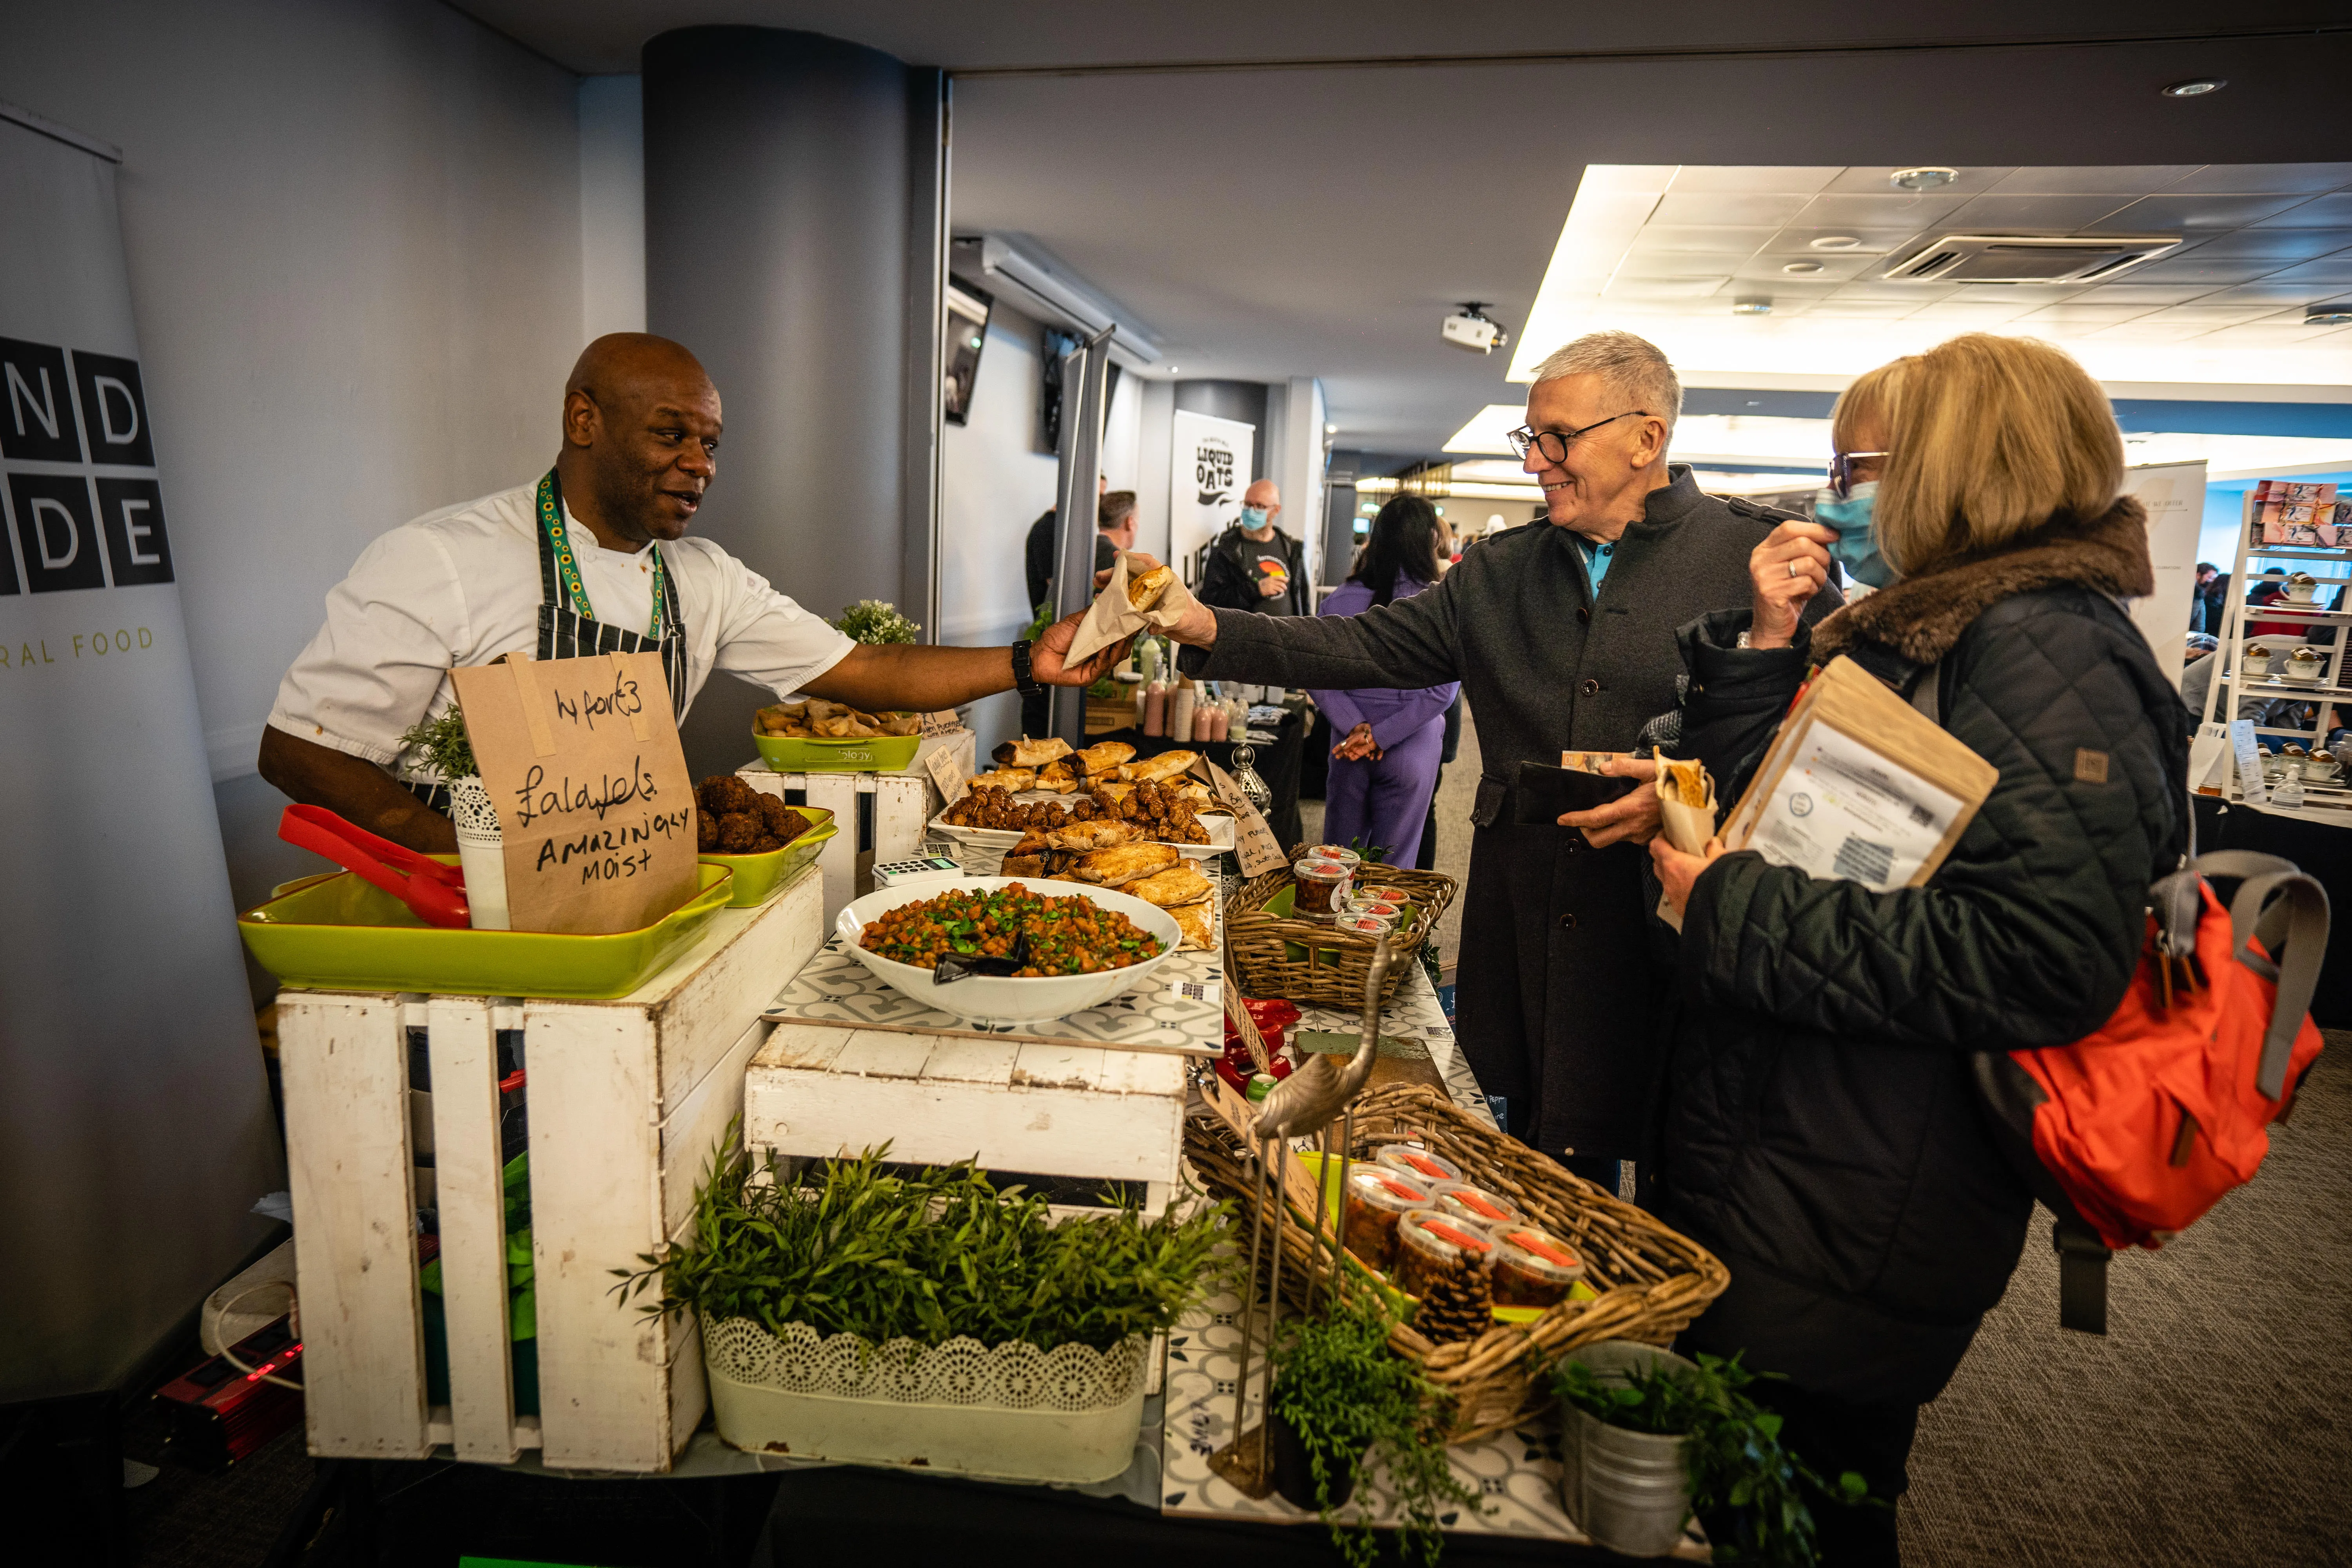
<point x="1473" y="329"/>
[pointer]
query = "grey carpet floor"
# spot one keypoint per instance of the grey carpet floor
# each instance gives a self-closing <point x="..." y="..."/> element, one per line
<point x="2210" y="1428"/>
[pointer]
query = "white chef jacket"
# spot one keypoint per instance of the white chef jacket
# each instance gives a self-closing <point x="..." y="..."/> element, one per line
<point x="461" y="586"/>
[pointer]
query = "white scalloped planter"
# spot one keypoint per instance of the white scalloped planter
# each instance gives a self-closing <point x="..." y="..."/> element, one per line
<point x="1015" y="1413"/>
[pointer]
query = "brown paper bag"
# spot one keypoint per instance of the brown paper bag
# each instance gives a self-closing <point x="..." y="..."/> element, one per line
<point x="582" y="758"/>
<point x="1687" y="826"/>
<point x="1113" y="617"/>
<point x="1255" y="845"/>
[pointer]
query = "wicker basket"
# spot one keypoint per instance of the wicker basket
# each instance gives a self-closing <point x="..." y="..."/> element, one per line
<point x="1652" y="1281"/>
<point x="1309" y="963"/>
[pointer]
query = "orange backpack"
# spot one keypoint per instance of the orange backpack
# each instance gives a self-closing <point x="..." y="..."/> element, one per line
<point x="2130" y="1134"/>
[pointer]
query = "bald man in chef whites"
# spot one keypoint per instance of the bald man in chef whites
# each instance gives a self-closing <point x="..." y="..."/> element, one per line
<point x="594" y="556"/>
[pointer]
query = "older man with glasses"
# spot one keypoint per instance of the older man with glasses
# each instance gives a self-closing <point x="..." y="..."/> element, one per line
<point x="1562" y="634"/>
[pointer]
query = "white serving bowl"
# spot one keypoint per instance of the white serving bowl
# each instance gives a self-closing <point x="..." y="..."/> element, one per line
<point x="1007" y="999"/>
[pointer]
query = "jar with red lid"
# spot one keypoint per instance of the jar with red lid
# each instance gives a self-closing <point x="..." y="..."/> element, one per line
<point x="1430" y="1243"/>
<point x="1385" y="892"/>
<point x="1419" y="1164"/>
<point x="1473" y="1203"/>
<point x="1362" y="924"/>
<point x="1339" y="852"/>
<point x="1322" y="888"/>
<point x="1377" y="1199"/>
<point x="1358" y="904"/>
<point x="1532" y="1267"/>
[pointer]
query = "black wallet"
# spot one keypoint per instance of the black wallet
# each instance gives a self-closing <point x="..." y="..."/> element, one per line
<point x="1541" y="795"/>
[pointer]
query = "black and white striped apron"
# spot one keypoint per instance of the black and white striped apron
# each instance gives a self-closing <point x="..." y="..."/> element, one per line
<point x="568" y="627"/>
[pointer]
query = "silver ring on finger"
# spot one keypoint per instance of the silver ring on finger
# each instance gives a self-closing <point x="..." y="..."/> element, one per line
<point x="1796" y="569"/>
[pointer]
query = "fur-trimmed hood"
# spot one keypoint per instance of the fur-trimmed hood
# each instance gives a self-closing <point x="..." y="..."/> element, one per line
<point x="1921" y="617"/>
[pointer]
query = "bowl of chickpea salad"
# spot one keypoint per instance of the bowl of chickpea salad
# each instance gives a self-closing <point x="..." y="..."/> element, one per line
<point x="1058" y="947"/>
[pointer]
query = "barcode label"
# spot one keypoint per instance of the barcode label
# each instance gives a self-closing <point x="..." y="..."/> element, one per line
<point x="1922" y="817"/>
<point x="1209" y="990"/>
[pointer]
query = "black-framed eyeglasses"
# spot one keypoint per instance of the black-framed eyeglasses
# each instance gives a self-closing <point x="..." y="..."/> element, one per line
<point x="1554" y="444"/>
<point x="1842" y="469"/>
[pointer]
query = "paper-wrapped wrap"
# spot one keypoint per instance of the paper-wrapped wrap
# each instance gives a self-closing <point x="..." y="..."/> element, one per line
<point x="1686" y="816"/>
<point x="1135" y="600"/>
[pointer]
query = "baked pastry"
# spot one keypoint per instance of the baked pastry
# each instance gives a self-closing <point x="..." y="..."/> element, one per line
<point x="1025" y="753"/>
<point x="1123" y="863"/>
<point x="1198" y="922"/>
<point x="1012" y="781"/>
<point x="1180" y="884"/>
<point x="1166" y="765"/>
<point x="1104" y="756"/>
<point x="1148" y="590"/>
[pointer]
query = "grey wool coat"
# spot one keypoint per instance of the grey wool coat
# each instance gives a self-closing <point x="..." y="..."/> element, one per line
<point x="1557" y="987"/>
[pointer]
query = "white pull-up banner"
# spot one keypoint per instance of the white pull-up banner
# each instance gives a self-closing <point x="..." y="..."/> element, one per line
<point x="135" y="1130"/>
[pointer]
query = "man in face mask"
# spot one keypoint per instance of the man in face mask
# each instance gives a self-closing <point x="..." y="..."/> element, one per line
<point x="1253" y="565"/>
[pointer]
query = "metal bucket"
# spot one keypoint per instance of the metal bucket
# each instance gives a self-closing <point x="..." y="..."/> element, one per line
<point x="1627" y="1491"/>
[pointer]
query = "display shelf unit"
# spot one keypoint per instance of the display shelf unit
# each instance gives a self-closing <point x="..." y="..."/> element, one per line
<point x="2231" y="691"/>
<point x="624" y="1101"/>
<point x="883" y="816"/>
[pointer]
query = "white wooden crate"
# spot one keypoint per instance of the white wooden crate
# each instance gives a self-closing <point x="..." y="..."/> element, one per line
<point x="625" y="1101"/>
<point x="904" y="804"/>
<point x="1088" y="1112"/>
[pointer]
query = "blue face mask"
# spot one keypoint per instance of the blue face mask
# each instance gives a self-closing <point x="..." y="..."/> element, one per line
<point x="1856" y="546"/>
<point x="1252" y="518"/>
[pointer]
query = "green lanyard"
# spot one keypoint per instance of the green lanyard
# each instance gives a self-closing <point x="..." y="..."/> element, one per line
<point x="550" y="519"/>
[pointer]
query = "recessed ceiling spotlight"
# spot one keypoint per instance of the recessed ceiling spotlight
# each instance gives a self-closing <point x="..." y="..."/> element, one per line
<point x="1751" y="305"/>
<point x="2196" y="87"/>
<point x="1929" y="178"/>
<point x="1802" y="268"/>
<point x="2327" y="315"/>
<point x="1836" y="242"/>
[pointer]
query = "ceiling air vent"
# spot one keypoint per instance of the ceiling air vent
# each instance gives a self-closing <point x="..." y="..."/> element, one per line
<point x="2026" y="258"/>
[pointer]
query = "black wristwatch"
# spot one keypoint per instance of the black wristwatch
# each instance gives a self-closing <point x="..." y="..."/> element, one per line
<point x="1024" y="682"/>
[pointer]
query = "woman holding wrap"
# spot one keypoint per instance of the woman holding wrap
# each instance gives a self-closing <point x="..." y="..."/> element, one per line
<point x="1384" y="769"/>
<point x="1819" y="1128"/>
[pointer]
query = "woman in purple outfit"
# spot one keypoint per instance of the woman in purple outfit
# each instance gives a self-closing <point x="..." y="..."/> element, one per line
<point x="1384" y="769"/>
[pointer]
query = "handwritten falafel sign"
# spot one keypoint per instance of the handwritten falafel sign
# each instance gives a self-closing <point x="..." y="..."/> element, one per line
<point x="582" y="758"/>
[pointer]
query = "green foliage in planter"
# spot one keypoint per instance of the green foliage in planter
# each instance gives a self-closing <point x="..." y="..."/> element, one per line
<point x="1750" y="1490"/>
<point x="448" y="750"/>
<point x="848" y="1247"/>
<point x="875" y="621"/>
<point x="1342" y="1390"/>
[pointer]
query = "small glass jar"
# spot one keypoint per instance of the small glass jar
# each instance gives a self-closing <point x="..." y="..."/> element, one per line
<point x="1532" y="1267"/>
<point x="1363" y="925"/>
<point x="1430" y="1243"/>
<point x="1339" y="852"/>
<point x="1377" y="1199"/>
<point x="1322" y="888"/>
<point x="1358" y="904"/>
<point x="1418" y="1165"/>
<point x="1386" y="892"/>
<point x="1468" y="1201"/>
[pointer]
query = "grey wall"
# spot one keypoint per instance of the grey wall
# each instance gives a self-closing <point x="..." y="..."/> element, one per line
<point x="777" y="233"/>
<point x="1244" y="401"/>
<point x="353" y="239"/>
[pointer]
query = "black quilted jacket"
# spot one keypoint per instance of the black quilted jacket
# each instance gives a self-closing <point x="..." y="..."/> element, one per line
<point x="1819" y="1130"/>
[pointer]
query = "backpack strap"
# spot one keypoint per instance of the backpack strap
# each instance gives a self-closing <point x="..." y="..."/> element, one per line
<point x="2285" y="908"/>
<point x="2082" y="1275"/>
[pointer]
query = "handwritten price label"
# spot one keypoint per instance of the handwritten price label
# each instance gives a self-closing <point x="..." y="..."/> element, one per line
<point x="582" y="758"/>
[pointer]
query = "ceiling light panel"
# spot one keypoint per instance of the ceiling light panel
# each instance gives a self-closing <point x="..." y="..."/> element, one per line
<point x="1762" y="179"/>
<point x="2292" y="178"/>
<point x="2170" y="213"/>
<point x="2321" y="212"/>
<point x="1974" y="179"/>
<point x="1728" y="208"/>
<point x="2125" y="179"/>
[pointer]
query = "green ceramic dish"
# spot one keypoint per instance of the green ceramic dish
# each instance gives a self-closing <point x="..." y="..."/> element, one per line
<point x="759" y="878"/>
<point x="339" y="934"/>
<point x="882" y="755"/>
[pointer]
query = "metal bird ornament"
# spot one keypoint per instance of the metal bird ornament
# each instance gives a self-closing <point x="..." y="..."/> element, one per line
<point x="1313" y="1095"/>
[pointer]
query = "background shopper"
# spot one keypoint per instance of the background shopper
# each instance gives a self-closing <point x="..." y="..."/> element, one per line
<point x="1820" y="1129"/>
<point x="1255" y="565"/>
<point x="1384" y="769"/>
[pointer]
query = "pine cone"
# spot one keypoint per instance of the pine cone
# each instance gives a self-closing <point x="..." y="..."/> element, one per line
<point x="1460" y="1305"/>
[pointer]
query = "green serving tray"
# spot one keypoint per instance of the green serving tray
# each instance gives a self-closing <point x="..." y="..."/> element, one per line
<point x="759" y="878"/>
<point x="339" y="934"/>
<point x="882" y="755"/>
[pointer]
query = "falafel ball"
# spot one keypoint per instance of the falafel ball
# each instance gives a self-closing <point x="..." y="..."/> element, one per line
<point x="706" y="832"/>
<point x="740" y="833"/>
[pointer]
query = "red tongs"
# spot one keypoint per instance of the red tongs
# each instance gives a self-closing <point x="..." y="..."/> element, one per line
<point x="435" y="891"/>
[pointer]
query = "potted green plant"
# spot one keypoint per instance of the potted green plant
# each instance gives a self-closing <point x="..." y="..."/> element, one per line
<point x="875" y="621"/>
<point x="1340" y="1396"/>
<point x="1649" y="1438"/>
<point x="857" y="1310"/>
<point x="448" y="756"/>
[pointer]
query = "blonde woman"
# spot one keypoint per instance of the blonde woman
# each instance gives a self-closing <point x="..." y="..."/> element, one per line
<point x="1820" y="1129"/>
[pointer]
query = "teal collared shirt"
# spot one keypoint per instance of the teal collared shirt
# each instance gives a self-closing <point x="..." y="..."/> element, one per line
<point x="1596" y="559"/>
